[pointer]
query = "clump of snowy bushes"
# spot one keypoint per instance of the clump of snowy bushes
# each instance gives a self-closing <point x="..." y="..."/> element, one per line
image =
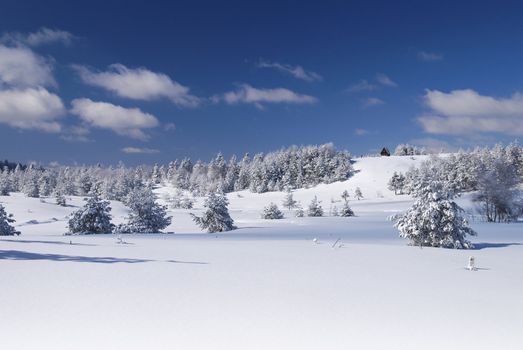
<point x="94" y="217"/>
<point x="494" y="176"/>
<point x="180" y="201"/>
<point x="272" y="212"/>
<point x="6" y="229"/>
<point x="216" y="218"/>
<point x="408" y="150"/>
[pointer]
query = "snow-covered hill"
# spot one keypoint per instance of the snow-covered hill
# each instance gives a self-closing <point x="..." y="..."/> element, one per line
<point x="266" y="285"/>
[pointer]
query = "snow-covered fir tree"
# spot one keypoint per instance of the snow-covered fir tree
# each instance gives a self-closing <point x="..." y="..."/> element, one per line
<point x="334" y="211"/>
<point x="5" y="182"/>
<point x="358" y="194"/>
<point x="60" y="199"/>
<point x="299" y="213"/>
<point x="146" y="215"/>
<point x="272" y="212"/>
<point x="216" y="218"/>
<point x="434" y="219"/>
<point x="288" y="201"/>
<point x="396" y="183"/>
<point x="345" y="195"/>
<point x="315" y="208"/>
<point x="93" y="217"/>
<point x="6" y="229"/>
<point x="346" y="210"/>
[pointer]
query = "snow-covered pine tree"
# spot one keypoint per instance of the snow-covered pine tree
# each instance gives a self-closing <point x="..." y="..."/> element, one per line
<point x="358" y="194"/>
<point x="272" y="212"/>
<point x="5" y="223"/>
<point x="434" y="219"/>
<point x="299" y="211"/>
<point x="345" y="195"/>
<point x="315" y="208"/>
<point x="288" y="201"/>
<point x="146" y="215"/>
<point x="60" y="199"/>
<point x="93" y="217"/>
<point x="216" y="218"/>
<point x="334" y="211"/>
<point x="346" y="210"/>
<point x="5" y="182"/>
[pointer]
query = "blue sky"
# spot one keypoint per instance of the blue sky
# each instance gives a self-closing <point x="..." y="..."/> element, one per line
<point x="146" y="82"/>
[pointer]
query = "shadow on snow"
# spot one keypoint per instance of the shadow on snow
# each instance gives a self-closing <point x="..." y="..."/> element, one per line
<point x="484" y="245"/>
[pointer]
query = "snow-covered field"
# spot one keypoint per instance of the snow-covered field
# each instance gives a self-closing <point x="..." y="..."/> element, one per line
<point x="266" y="285"/>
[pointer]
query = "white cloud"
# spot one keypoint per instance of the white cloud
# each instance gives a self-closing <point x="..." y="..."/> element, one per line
<point x="138" y="150"/>
<point x="429" y="56"/>
<point x="385" y="80"/>
<point x="41" y="37"/>
<point x="169" y="127"/>
<point x="248" y="94"/>
<point x="466" y="112"/>
<point x="362" y="85"/>
<point x="31" y="108"/>
<point x="296" y="71"/>
<point x="123" y="121"/>
<point x="432" y="145"/>
<point x="138" y="84"/>
<point x="372" y="101"/>
<point x="21" y="67"/>
<point x="361" y="132"/>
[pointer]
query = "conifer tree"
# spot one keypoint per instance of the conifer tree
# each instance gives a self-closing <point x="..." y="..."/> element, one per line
<point x="6" y="229"/>
<point x="315" y="208"/>
<point x="272" y="212"/>
<point x="93" y="217"/>
<point x="216" y="218"/>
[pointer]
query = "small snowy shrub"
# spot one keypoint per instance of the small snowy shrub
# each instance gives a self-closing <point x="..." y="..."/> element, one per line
<point x="216" y="218"/>
<point x="315" y="208"/>
<point x="60" y="200"/>
<point x="5" y="223"/>
<point x="272" y="212"/>
<point x="346" y="210"/>
<point x="288" y="201"/>
<point x="358" y="194"/>
<point x="299" y="211"/>
<point x="93" y="217"/>
<point x="146" y="215"/>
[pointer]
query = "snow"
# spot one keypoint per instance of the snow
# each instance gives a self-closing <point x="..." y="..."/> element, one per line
<point x="267" y="285"/>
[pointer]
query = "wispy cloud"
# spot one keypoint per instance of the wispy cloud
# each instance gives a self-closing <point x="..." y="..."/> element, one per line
<point x="385" y="80"/>
<point x="361" y="132"/>
<point x="429" y="56"/>
<point x="251" y="95"/>
<point x="372" y="101"/>
<point x="297" y="72"/>
<point x="466" y="112"/>
<point x="21" y="67"/>
<point x="43" y="36"/>
<point x="124" y="121"/>
<point x="138" y="84"/>
<point x="31" y="108"/>
<point x="432" y="145"/>
<point x="362" y="85"/>
<point x="139" y="150"/>
<point x="382" y="80"/>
